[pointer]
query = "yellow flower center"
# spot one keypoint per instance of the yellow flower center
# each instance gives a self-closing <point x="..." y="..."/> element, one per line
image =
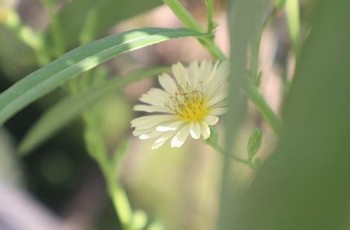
<point x="188" y="104"/>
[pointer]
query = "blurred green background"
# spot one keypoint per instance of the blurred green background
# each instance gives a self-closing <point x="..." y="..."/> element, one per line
<point x="303" y="182"/>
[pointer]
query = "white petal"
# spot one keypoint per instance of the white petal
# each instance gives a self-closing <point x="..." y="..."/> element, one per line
<point x="195" y="130"/>
<point x="161" y="140"/>
<point x="151" y="120"/>
<point x="180" y="137"/>
<point x="155" y="97"/>
<point x="169" y="126"/>
<point x="205" y="70"/>
<point x="146" y="133"/>
<point x="216" y="85"/>
<point x="220" y="96"/>
<point x="152" y="108"/>
<point x="212" y="74"/>
<point x="193" y="74"/>
<point x="205" y="130"/>
<point x="149" y="136"/>
<point x="218" y="111"/>
<point x="180" y="73"/>
<point x="217" y="78"/>
<point x="167" y="83"/>
<point x="211" y="120"/>
<point x="223" y="70"/>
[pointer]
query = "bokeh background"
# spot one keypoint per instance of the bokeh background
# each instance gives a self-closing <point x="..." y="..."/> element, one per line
<point x="57" y="185"/>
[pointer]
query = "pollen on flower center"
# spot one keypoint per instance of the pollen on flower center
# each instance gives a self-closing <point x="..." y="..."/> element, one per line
<point x="188" y="104"/>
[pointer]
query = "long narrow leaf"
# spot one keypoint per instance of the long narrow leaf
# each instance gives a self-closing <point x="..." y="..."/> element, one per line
<point x="67" y="110"/>
<point x="77" y="61"/>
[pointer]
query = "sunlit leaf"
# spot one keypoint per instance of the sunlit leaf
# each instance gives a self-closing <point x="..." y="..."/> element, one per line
<point x="79" y="60"/>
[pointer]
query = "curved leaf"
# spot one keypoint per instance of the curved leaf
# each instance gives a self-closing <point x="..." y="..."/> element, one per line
<point x="68" y="109"/>
<point x="79" y="60"/>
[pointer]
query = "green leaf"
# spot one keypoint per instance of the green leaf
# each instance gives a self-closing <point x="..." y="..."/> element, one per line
<point x="305" y="184"/>
<point x="78" y="61"/>
<point x="245" y="21"/>
<point x="68" y="109"/>
<point x="101" y="15"/>
<point x="254" y="143"/>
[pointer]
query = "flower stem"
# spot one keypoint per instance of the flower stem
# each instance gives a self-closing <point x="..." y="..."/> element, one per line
<point x="188" y="21"/>
<point x="252" y="87"/>
<point x="210" y="9"/>
<point x="222" y="151"/>
<point x="272" y="119"/>
<point x="31" y="38"/>
<point x="214" y="143"/>
<point x="58" y="41"/>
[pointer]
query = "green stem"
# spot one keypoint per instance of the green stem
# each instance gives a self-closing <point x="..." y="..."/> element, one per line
<point x="293" y="21"/>
<point x="251" y="88"/>
<point x="183" y="15"/>
<point x="108" y="165"/>
<point x="58" y="43"/>
<point x="213" y="141"/>
<point x="188" y="21"/>
<point x="210" y="9"/>
<point x="272" y="119"/>
<point x="256" y="46"/>
<point x="222" y="151"/>
<point x="26" y="35"/>
<point x="120" y="201"/>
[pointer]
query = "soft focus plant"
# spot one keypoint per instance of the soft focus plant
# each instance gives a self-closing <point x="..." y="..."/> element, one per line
<point x="189" y="103"/>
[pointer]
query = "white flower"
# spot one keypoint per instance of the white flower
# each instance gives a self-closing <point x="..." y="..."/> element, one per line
<point x="187" y="105"/>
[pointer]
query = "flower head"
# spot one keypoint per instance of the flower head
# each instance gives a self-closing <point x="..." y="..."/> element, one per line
<point x="187" y="105"/>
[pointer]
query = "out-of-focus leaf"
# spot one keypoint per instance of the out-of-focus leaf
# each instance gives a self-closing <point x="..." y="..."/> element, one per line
<point x="15" y="55"/>
<point x="305" y="185"/>
<point x="10" y="170"/>
<point x="66" y="110"/>
<point x="245" y="20"/>
<point x="79" y="60"/>
<point x="280" y="3"/>
<point x="104" y="14"/>
<point x="293" y="20"/>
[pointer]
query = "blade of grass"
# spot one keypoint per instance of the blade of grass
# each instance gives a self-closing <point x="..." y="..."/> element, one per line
<point x="79" y="60"/>
<point x="67" y="110"/>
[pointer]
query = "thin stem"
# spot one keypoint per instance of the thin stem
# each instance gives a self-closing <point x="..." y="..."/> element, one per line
<point x="272" y="119"/>
<point x="210" y="10"/>
<point x="256" y="45"/>
<point x="183" y="15"/>
<point x="214" y="143"/>
<point x="56" y="29"/>
<point x="26" y="35"/>
<point x="186" y="18"/>
<point x="108" y="165"/>
<point x="251" y="88"/>
<point x="120" y="201"/>
<point x="222" y="151"/>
